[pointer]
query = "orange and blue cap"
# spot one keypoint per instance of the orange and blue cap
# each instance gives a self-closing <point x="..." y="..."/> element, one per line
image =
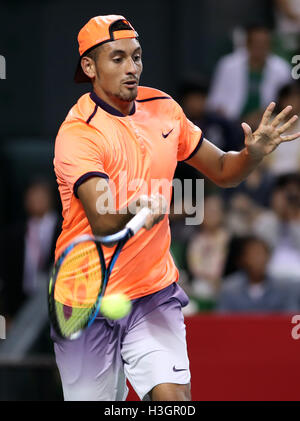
<point x="97" y="31"/>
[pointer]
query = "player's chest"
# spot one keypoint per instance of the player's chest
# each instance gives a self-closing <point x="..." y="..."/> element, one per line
<point x="146" y="145"/>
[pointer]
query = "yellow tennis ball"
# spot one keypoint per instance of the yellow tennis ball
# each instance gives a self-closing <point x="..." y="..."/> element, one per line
<point x="115" y="306"/>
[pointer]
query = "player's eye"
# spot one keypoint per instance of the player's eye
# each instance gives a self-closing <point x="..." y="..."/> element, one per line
<point x="117" y="59"/>
<point x="137" y="57"/>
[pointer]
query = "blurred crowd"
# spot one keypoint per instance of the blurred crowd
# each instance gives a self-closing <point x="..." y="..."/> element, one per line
<point x="27" y="248"/>
<point x="245" y="256"/>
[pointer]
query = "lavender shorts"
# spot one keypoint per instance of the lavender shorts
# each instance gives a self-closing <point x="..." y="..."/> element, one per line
<point x="148" y="347"/>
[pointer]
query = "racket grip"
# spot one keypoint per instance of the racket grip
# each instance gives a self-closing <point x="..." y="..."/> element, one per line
<point x="138" y="221"/>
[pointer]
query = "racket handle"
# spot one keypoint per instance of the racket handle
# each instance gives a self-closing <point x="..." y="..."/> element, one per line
<point x="138" y="221"/>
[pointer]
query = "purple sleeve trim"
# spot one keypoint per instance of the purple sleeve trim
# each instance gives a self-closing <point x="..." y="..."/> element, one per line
<point x="196" y="149"/>
<point x="85" y="177"/>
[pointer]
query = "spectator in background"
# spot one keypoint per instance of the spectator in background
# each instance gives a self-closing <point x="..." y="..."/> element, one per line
<point x="247" y="80"/>
<point x="250" y="288"/>
<point x="242" y="212"/>
<point x="225" y="134"/>
<point x="207" y="249"/>
<point x="280" y="228"/>
<point x="286" y="158"/>
<point x="180" y="237"/>
<point x="287" y="13"/>
<point x="248" y="200"/>
<point x="28" y="247"/>
<point x="253" y="194"/>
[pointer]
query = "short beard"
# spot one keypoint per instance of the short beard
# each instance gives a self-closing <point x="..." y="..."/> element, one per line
<point x="131" y="96"/>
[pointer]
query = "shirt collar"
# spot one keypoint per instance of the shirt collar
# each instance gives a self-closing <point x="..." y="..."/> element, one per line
<point x="108" y="108"/>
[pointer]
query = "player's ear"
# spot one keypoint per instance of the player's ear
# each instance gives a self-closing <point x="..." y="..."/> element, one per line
<point x="88" y="67"/>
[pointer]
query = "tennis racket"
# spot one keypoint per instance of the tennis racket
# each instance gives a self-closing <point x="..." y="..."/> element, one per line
<point x="80" y="276"/>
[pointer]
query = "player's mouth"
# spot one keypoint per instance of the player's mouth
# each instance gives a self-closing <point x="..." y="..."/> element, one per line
<point x="131" y="83"/>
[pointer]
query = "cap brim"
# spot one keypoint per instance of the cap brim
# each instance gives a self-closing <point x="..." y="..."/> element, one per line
<point x="80" y="76"/>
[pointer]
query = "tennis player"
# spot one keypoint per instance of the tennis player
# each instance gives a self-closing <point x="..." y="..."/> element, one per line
<point x="119" y="135"/>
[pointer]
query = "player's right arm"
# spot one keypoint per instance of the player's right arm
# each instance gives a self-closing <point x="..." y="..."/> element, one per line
<point x="96" y="198"/>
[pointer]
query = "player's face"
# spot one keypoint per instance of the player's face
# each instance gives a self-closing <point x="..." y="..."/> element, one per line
<point x="118" y="68"/>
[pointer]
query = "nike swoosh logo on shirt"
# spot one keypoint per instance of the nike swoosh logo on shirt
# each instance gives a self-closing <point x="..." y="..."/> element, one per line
<point x="179" y="369"/>
<point x="166" y="135"/>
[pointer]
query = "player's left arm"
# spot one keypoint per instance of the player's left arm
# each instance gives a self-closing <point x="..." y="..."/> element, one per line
<point x="231" y="168"/>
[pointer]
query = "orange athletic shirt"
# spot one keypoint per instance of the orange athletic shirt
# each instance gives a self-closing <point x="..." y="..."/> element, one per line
<point x="97" y="140"/>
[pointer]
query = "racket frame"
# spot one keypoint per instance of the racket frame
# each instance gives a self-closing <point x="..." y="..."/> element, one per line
<point x="121" y="238"/>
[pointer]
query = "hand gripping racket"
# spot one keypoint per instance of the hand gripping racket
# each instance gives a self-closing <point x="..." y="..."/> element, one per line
<point x="80" y="277"/>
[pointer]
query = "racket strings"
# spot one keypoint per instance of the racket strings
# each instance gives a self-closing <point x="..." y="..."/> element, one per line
<point x="70" y="270"/>
<point x="71" y="319"/>
<point x="78" y="254"/>
<point x="77" y="287"/>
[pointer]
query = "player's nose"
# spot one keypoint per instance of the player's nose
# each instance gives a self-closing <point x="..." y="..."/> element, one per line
<point x="131" y="67"/>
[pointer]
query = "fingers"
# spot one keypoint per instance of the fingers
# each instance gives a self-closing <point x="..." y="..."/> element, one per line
<point x="290" y="137"/>
<point x="268" y="113"/>
<point x="141" y="202"/>
<point x="159" y="207"/>
<point x="247" y="129"/>
<point x="152" y="220"/>
<point x="287" y="125"/>
<point x="149" y="222"/>
<point x="281" y="116"/>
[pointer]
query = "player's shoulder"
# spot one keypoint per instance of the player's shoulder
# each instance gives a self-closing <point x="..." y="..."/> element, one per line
<point x="82" y="110"/>
<point x="152" y="97"/>
<point x="146" y="93"/>
<point x="78" y="117"/>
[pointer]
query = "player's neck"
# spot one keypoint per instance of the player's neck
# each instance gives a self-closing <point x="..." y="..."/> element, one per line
<point x="123" y="107"/>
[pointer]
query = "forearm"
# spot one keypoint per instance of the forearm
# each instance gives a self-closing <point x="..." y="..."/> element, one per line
<point x="226" y="169"/>
<point x="235" y="167"/>
<point x="99" y="206"/>
<point x="104" y="219"/>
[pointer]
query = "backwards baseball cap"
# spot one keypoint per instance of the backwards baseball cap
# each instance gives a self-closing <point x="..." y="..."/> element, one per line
<point x="97" y="31"/>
